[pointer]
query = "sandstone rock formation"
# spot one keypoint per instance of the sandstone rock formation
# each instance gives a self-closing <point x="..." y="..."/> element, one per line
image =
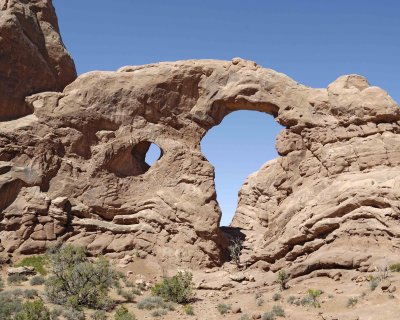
<point x="75" y="170"/>
<point x="33" y="58"/>
<point x="332" y="199"/>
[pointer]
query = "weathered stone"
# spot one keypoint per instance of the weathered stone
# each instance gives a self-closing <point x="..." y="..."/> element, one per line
<point x="33" y="56"/>
<point x="81" y="161"/>
<point x="236" y="310"/>
<point x="238" y="277"/>
<point x="26" y="271"/>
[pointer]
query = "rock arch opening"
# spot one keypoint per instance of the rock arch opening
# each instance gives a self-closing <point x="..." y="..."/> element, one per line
<point x="133" y="161"/>
<point x="237" y="147"/>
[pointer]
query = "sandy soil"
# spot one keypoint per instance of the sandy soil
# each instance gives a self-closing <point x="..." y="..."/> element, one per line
<point x="371" y="305"/>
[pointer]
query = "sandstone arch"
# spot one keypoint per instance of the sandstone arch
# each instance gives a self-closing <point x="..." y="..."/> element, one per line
<point x="337" y="175"/>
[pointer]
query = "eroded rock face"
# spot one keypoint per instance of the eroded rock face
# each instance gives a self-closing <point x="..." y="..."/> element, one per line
<point x="332" y="199"/>
<point x="75" y="169"/>
<point x="33" y="57"/>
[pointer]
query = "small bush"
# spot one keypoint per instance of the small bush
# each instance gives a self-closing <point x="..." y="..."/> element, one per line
<point x="73" y="314"/>
<point x="235" y="250"/>
<point x="30" y="293"/>
<point x="16" y="279"/>
<point x="1" y="284"/>
<point x="129" y="296"/>
<point x="395" y="267"/>
<point x="10" y="305"/>
<point x="312" y="298"/>
<point x="37" y="262"/>
<point x="159" y="313"/>
<point x="276" y="297"/>
<point x="78" y="281"/>
<point x="37" y="281"/>
<point x="373" y="283"/>
<point x="352" y="302"/>
<point x="188" y="309"/>
<point x="128" y="283"/>
<point x="55" y="313"/>
<point x="292" y="300"/>
<point x="383" y="271"/>
<point x="122" y="313"/>
<point x="99" y="315"/>
<point x="151" y="303"/>
<point x="223" y="308"/>
<point x="17" y="292"/>
<point x="283" y="278"/>
<point x="278" y="311"/>
<point x="307" y="300"/>
<point x="268" y="316"/>
<point x="33" y="310"/>
<point x="177" y="289"/>
<point x="260" y="301"/>
<point x="244" y="317"/>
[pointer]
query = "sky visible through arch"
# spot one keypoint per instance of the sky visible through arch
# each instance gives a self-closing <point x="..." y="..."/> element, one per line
<point x="312" y="41"/>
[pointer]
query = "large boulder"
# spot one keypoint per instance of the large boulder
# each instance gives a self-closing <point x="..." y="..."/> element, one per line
<point x="75" y="170"/>
<point x="33" y="57"/>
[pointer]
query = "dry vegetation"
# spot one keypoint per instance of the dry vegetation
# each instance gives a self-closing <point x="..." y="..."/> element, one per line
<point x="70" y="285"/>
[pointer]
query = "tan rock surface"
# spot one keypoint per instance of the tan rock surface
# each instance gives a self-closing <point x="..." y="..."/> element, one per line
<point x="33" y="57"/>
<point x="76" y="170"/>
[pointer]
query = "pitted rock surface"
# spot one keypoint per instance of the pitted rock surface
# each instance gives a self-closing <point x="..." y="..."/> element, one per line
<point x="33" y="57"/>
<point x="75" y="170"/>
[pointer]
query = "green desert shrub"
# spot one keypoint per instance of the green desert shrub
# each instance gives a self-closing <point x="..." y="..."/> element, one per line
<point x="351" y="302"/>
<point x="373" y="283"/>
<point x="394" y="267"/>
<point x="16" y="279"/>
<point x="37" y="262"/>
<point x="268" y="316"/>
<point x="37" y="281"/>
<point x="312" y="298"/>
<point x="151" y="303"/>
<point x="260" y="301"/>
<point x="276" y="296"/>
<point x="159" y="312"/>
<point x="244" y="317"/>
<point x="73" y="314"/>
<point x="128" y="295"/>
<point x="122" y="313"/>
<point x="188" y="309"/>
<point x="55" y="313"/>
<point x="283" y="278"/>
<point x="178" y="288"/>
<point x="10" y="305"/>
<point x="99" y="315"/>
<point x="293" y="300"/>
<point x="77" y="281"/>
<point x="33" y="310"/>
<point x="223" y="308"/>
<point x="1" y="284"/>
<point x="30" y="293"/>
<point x="278" y="311"/>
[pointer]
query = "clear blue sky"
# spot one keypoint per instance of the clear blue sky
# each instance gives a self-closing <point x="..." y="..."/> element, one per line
<point x="312" y="41"/>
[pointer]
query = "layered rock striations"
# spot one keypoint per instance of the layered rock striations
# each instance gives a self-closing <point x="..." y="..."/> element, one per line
<point x="332" y="199"/>
<point x="75" y="170"/>
<point x="72" y="163"/>
<point x="32" y="55"/>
